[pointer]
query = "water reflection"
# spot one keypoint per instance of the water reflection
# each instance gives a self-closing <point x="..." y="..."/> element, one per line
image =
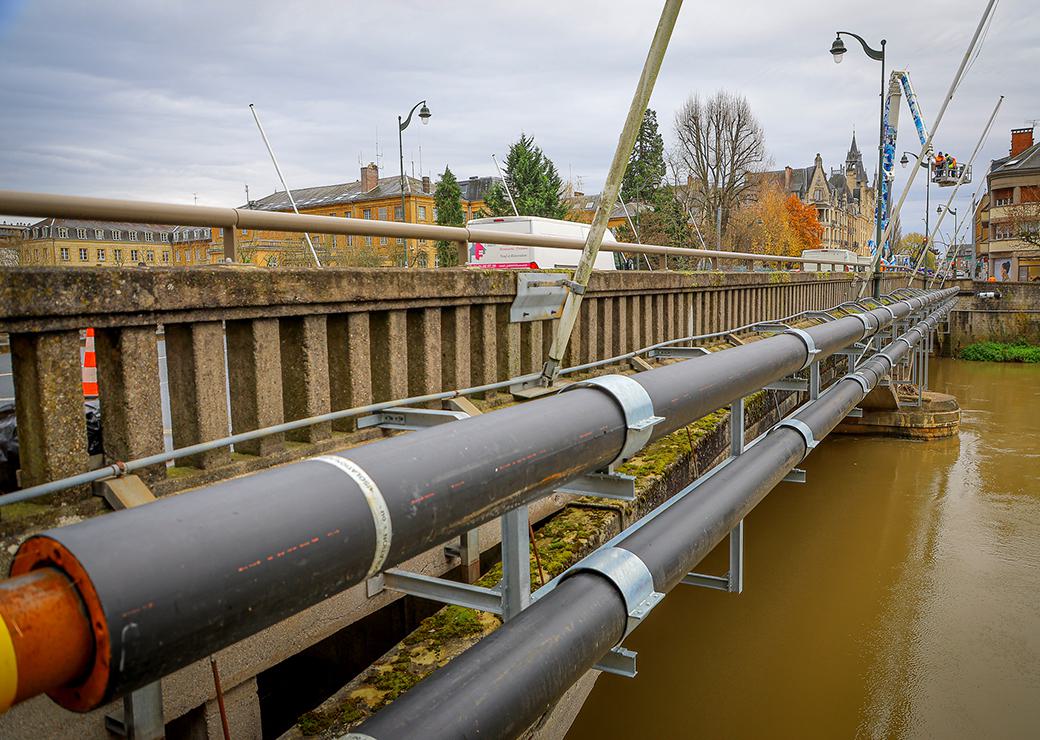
<point x="896" y="594"/>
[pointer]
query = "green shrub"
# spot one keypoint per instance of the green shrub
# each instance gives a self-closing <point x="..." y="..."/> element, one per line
<point x="1018" y="351"/>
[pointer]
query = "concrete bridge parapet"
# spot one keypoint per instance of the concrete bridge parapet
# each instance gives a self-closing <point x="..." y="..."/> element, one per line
<point x="289" y="344"/>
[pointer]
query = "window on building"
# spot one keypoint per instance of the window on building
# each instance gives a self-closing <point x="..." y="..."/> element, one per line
<point x="135" y="256"/>
<point x="164" y="237"/>
<point x="131" y="235"/>
<point x="100" y="254"/>
<point x="36" y="233"/>
<point x="422" y="213"/>
<point x="150" y="255"/>
<point x="99" y="233"/>
<point x="117" y="255"/>
<point x="81" y="233"/>
<point x="149" y="236"/>
<point x="82" y="255"/>
<point x="64" y="254"/>
<point x="45" y="231"/>
<point x="397" y="214"/>
<point x="367" y="213"/>
<point x="117" y="235"/>
<point x="166" y="257"/>
<point x="382" y="213"/>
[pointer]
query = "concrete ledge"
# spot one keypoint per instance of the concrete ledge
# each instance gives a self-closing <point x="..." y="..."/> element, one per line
<point x="938" y="417"/>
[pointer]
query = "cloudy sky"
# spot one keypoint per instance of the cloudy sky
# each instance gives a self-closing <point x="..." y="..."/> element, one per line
<point x="149" y="100"/>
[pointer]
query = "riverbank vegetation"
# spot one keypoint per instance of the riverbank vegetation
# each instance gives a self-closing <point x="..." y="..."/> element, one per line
<point x="1019" y="351"/>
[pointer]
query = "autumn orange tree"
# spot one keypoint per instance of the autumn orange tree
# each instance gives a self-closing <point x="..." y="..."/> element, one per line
<point x="776" y="223"/>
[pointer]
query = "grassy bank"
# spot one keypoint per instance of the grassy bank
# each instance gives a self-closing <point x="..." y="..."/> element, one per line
<point x="999" y="352"/>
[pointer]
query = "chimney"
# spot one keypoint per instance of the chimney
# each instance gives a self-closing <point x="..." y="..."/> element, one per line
<point x="1021" y="139"/>
<point x="788" y="172"/>
<point x="426" y="184"/>
<point x="369" y="177"/>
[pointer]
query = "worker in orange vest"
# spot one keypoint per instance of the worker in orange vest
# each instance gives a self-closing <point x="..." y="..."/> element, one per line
<point x="940" y="162"/>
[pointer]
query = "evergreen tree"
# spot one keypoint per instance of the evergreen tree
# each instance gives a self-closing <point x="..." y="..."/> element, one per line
<point x="447" y="201"/>
<point x="646" y="168"/>
<point x="533" y="180"/>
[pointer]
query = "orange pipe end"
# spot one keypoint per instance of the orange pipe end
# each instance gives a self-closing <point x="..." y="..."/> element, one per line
<point x="45" y="635"/>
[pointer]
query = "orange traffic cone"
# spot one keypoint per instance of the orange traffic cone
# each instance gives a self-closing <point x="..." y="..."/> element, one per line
<point x="90" y="387"/>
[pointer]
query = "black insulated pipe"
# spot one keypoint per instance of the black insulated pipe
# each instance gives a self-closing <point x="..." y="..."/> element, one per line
<point x="187" y="575"/>
<point x="500" y="686"/>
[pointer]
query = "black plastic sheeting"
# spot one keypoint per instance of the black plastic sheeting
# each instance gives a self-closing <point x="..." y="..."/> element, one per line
<point x="9" y="459"/>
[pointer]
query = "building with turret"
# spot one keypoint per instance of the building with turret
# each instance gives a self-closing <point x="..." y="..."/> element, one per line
<point x="843" y="198"/>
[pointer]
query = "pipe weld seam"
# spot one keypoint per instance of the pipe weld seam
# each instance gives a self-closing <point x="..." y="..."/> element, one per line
<point x="376" y="503"/>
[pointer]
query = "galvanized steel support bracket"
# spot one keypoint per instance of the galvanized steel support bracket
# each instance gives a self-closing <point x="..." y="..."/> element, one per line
<point x="683" y="353"/>
<point x="406" y="418"/>
<point x="616" y="486"/>
<point x="796" y="475"/>
<point x="636" y="405"/>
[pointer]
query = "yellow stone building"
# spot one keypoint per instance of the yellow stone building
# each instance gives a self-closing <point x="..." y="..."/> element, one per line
<point x="81" y="243"/>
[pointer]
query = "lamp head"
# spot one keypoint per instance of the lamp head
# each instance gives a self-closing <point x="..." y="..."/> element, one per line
<point x="838" y="49"/>
<point x="904" y="161"/>
<point x="424" y="114"/>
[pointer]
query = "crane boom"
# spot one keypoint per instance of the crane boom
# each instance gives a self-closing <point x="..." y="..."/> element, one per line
<point x="899" y="85"/>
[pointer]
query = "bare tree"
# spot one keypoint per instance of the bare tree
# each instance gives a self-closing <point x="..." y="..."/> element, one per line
<point x="719" y="143"/>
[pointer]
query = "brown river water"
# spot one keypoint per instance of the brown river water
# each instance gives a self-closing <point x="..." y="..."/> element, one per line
<point x="895" y="594"/>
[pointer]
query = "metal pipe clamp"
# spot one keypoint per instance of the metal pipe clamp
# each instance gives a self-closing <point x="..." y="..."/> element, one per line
<point x="810" y="346"/>
<point x="635" y="404"/>
<point x="629" y="575"/>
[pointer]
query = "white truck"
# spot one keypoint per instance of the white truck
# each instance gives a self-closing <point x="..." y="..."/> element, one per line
<point x="851" y="262"/>
<point x="503" y="255"/>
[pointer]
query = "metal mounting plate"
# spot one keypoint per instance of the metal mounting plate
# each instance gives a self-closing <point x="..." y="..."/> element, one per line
<point x="409" y="419"/>
<point x="539" y="296"/>
<point x="604" y="485"/>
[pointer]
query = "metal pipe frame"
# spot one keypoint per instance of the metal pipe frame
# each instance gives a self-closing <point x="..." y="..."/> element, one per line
<point x="174" y="581"/>
<point x="115" y="471"/>
<point x="108" y="209"/>
<point x="505" y="682"/>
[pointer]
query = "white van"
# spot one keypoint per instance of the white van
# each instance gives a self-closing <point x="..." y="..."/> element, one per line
<point x="505" y="256"/>
<point x="852" y="262"/>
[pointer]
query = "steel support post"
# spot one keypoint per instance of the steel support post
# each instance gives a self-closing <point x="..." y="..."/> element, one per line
<point x="142" y="715"/>
<point x="814" y="381"/>
<point x="516" y="563"/>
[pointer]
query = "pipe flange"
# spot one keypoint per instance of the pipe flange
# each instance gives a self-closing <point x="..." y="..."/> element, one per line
<point x="803" y="429"/>
<point x="905" y="341"/>
<point x="868" y="330"/>
<point x="810" y="346"/>
<point x="861" y="380"/>
<point x="629" y="575"/>
<point x="635" y="404"/>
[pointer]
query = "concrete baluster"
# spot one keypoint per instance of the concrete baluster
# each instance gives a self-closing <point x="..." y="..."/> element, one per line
<point x="305" y="374"/>
<point x="424" y="352"/>
<point x="130" y="396"/>
<point x="255" y="381"/>
<point x="52" y="432"/>
<point x="455" y="347"/>
<point x="350" y="364"/>
<point x="389" y="331"/>
<point x="198" y="389"/>
<point x="508" y="334"/>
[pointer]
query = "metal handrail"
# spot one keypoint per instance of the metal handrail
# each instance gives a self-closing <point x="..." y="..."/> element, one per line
<point x="45" y="205"/>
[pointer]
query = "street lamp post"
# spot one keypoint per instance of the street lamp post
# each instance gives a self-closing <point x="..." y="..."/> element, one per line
<point x="838" y="51"/>
<point x="927" y="163"/>
<point x="424" y="116"/>
<point x="953" y="244"/>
